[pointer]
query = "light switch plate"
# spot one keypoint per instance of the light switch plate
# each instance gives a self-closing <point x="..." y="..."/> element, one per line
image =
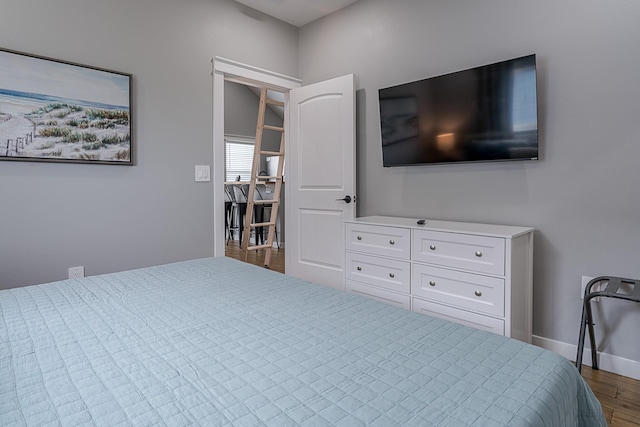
<point x="203" y="173"/>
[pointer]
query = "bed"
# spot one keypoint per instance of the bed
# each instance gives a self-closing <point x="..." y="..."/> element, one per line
<point x="217" y="342"/>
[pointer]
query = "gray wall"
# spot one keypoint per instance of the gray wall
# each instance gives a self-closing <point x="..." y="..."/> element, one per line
<point x="582" y="196"/>
<point x="241" y="116"/>
<point x="110" y="218"/>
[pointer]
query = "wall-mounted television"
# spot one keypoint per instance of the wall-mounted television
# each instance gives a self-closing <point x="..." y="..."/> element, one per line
<point x="487" y="113"/>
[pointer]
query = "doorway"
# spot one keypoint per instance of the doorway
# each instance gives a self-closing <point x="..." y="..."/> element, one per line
<point x="320" y="146"/>
<point x="230" y="72"/>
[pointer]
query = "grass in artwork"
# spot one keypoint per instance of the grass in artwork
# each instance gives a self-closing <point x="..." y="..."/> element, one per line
<point x="54" y="132"/>
<point x="103" y="124"/>
<point x="122" y="155"/>
<point x="73" y="131"/>
<point x="111" y="139"/>
<point x="72" y="138"/>
<point x="120" y="116"/>
<point x="87" y="156"/>
<point x="82" y="124"/>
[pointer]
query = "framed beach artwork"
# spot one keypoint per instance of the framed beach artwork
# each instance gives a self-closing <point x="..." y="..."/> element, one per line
<point x="58" y="111"/>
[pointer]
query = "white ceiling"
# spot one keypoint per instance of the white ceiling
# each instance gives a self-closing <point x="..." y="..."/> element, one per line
<point x="297" y="12"/>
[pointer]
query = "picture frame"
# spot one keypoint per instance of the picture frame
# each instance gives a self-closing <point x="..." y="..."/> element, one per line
<point x="59" y="111"/>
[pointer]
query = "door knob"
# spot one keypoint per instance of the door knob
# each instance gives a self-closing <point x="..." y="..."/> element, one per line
<point x="346" y="199"/>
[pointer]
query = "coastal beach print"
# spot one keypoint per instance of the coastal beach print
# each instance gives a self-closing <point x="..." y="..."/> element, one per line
<point x="51" y="110"/>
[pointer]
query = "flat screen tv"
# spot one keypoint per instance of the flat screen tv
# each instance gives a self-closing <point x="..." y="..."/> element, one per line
<point x="487" y="113"/>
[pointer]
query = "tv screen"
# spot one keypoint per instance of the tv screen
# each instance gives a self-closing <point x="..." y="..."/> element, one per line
<point x="487" y="113"/>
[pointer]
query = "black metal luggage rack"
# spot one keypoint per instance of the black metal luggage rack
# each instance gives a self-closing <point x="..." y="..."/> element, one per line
<point x="611" y="290"/>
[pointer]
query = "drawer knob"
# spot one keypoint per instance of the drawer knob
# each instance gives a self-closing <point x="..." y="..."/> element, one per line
<point x="432" y="247"/>
<point x="432" y="283"/>
<point x="392" y="275"/>
<point x="359" y="268"/>
<point x="392" y="242"/>
<point x="359" y="237"/>
<point x="478" y="254"/>
<point x="478" y="293"/>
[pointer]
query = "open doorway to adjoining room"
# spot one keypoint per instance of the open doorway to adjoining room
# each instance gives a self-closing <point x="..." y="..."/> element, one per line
<point x="236" y="102"/>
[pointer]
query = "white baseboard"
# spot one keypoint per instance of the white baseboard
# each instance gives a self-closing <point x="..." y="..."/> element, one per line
<point x="606" y="362"/>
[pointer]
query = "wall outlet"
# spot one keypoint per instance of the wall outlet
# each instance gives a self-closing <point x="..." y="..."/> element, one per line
<point x="583" y="285"/>
<point x="76" y="272"/>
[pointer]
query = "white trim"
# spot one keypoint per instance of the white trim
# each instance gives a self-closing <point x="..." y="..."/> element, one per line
<point x="217" y="174"/>
<point x="226" y="69"/>
<point x="606" y="362"/>
<point x="254" y="76"/>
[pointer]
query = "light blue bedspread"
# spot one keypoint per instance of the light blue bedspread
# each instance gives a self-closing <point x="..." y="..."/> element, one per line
<point x="217" y="342"/>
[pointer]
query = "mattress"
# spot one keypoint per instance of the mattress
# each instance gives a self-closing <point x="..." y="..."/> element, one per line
<point x="216" y="342"/>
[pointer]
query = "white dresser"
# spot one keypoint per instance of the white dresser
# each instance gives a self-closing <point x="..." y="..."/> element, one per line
<point x="480" y="275"/>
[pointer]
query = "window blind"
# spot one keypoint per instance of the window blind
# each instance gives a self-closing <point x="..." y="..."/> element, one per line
<point x="238" y="158"/>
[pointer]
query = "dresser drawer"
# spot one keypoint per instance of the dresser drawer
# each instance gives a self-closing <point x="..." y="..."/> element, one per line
<point x="379" y="240"/>
<point x="462" y="317"/>
<point x="385" y="273"/>
<point x="382" y="295"/>
<point x="469" y="252"/>
<point x="473" y="292"/>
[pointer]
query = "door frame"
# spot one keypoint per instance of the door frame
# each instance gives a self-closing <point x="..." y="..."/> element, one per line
<point x="248" y="75"/>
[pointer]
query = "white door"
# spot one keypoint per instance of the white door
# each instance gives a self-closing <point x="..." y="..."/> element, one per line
<point x="320" y="179"/>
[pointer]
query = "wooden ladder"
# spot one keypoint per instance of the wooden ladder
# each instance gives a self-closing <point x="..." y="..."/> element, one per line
<point x="257" y="179"/>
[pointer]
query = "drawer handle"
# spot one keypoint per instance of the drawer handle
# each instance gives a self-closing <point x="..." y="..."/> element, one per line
<point x="359" y="268"/>
<point x="478" y="254"/>
<point x="392" y="275"/>
<point x="359" y="237"/>
<point x="432" y="247"/>
<point x="478" y="293"/>
<point x="432" y="283"/>
<point x="392" y="242"/>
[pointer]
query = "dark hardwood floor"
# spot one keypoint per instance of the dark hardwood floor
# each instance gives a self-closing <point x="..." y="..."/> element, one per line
<point x="618" y="395"/>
